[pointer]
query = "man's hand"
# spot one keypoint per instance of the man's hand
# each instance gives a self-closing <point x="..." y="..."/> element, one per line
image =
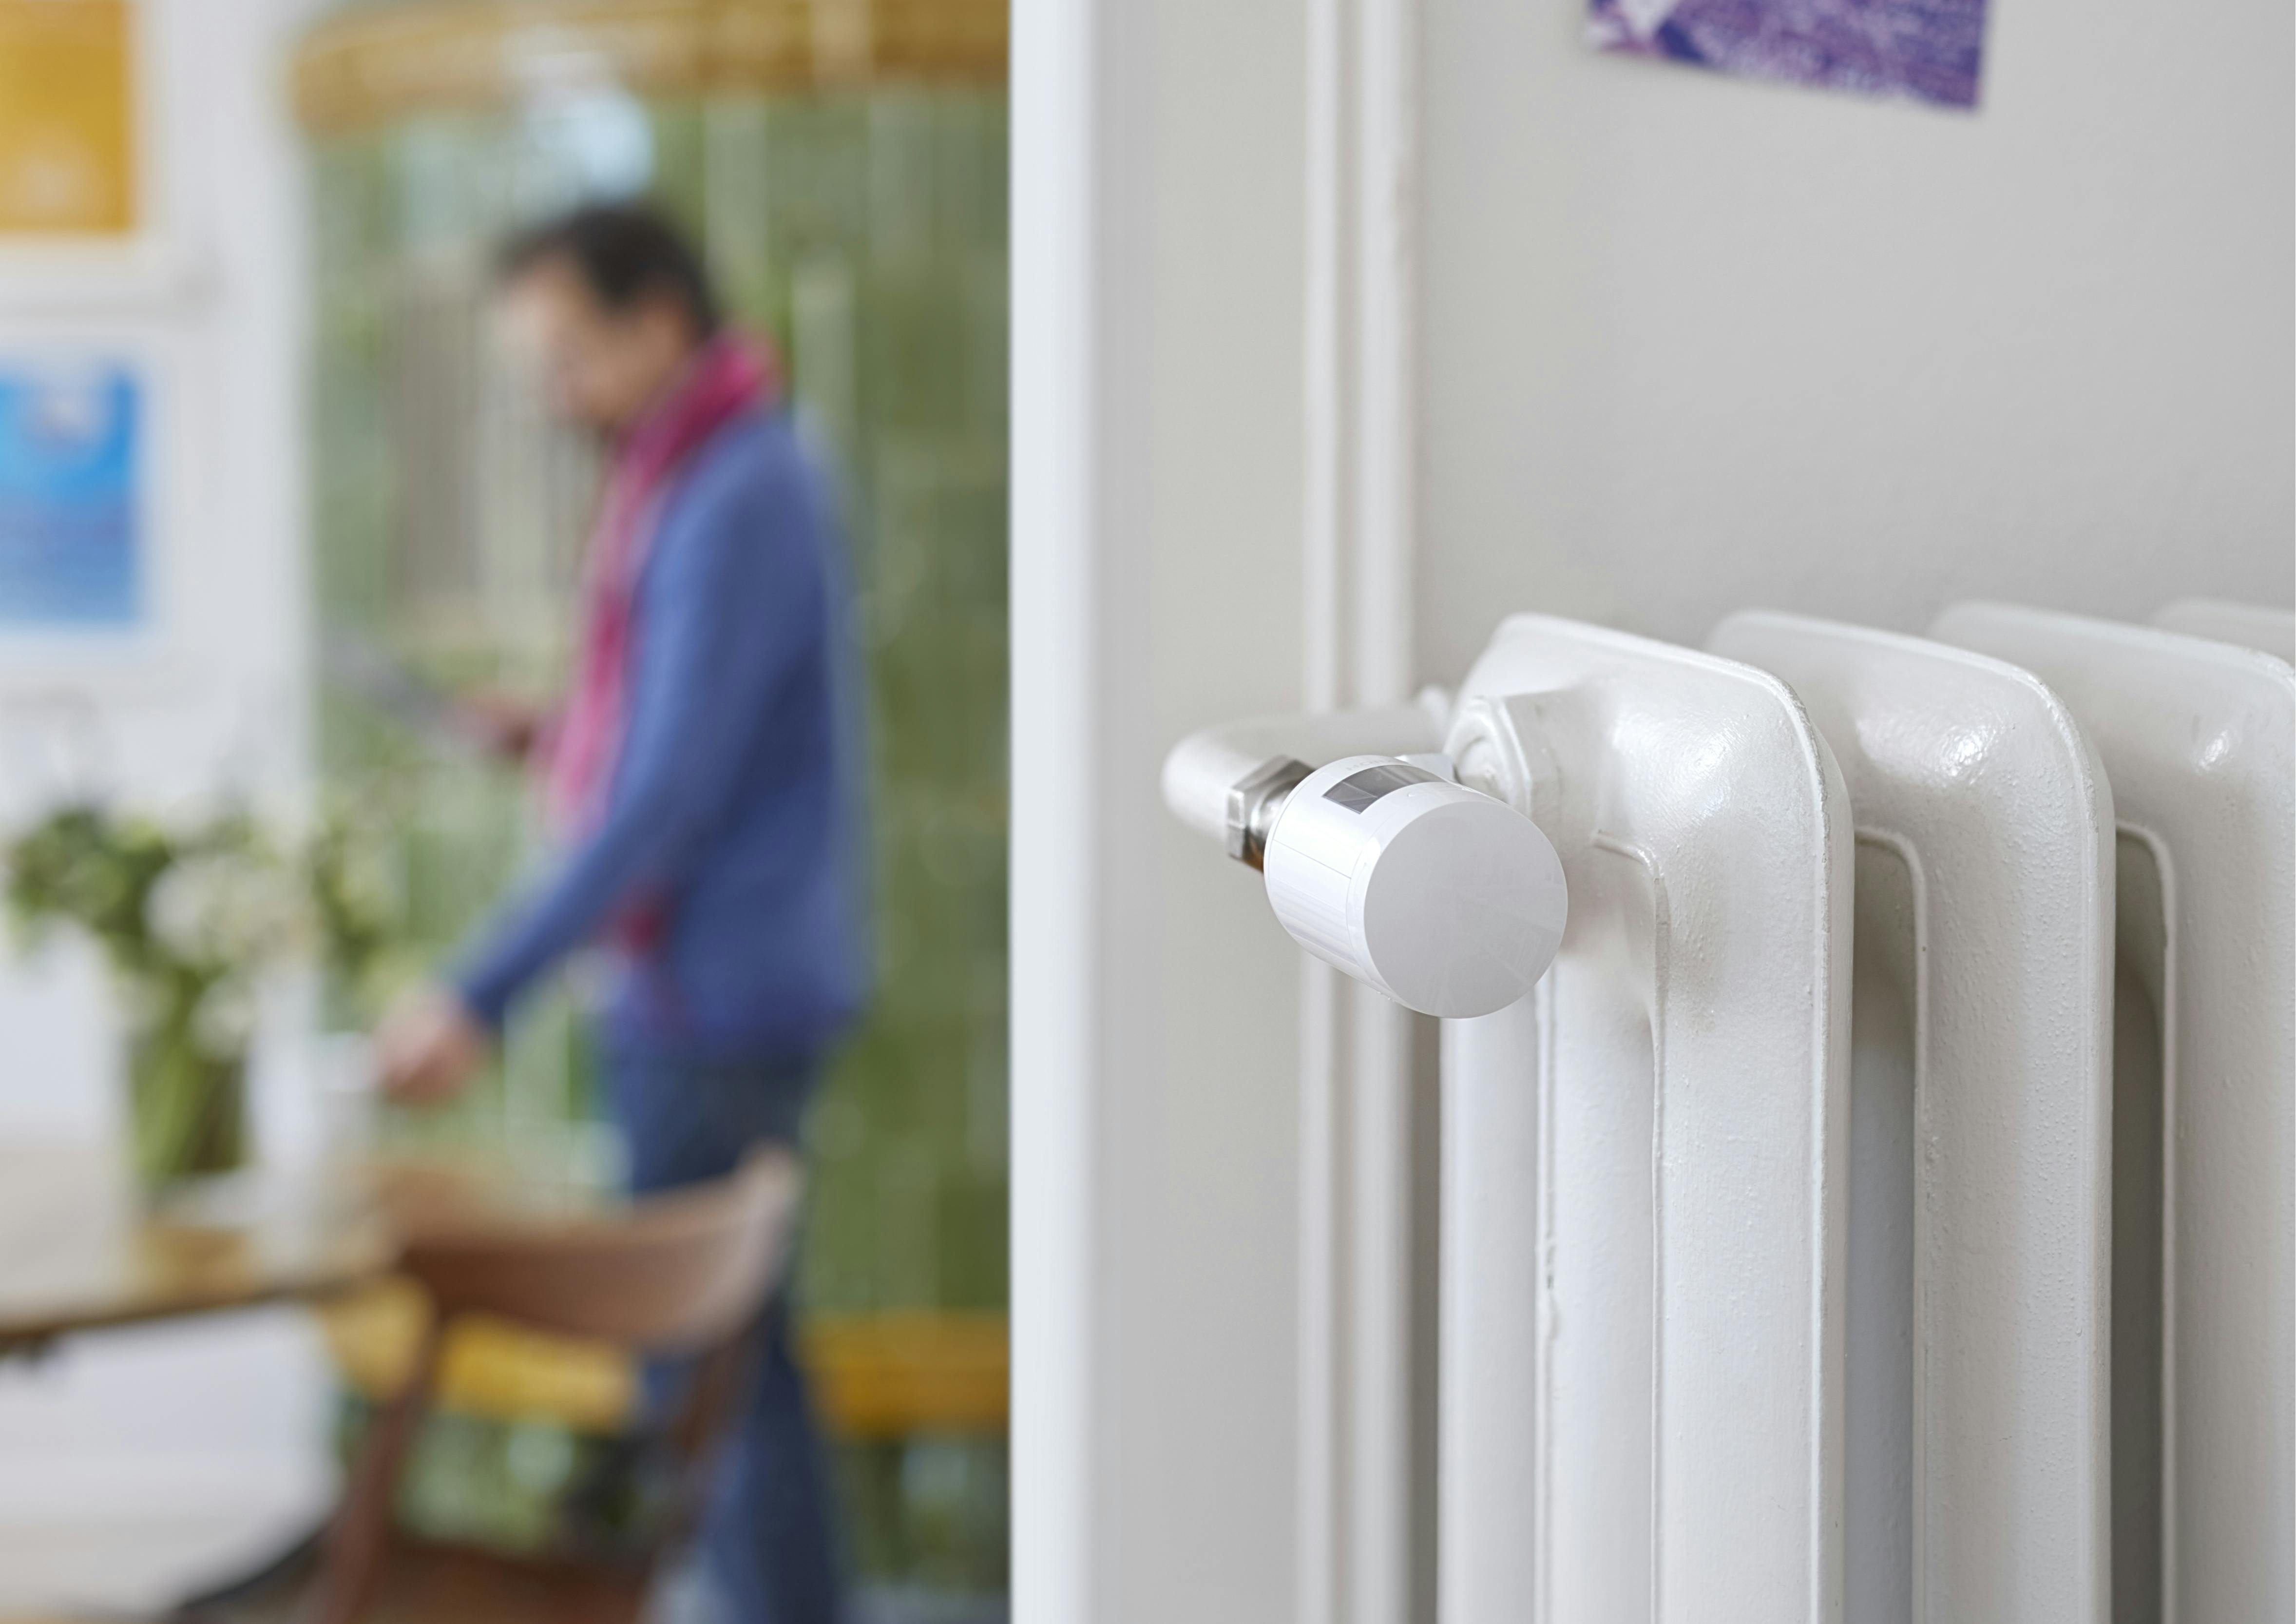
<point x="429" y="1047"/>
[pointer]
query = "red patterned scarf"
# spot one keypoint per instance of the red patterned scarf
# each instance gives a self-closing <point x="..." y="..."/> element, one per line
<point x="726" y="378"/>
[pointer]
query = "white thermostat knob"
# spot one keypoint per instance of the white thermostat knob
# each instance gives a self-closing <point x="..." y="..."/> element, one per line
<point x="1447" y="901"/>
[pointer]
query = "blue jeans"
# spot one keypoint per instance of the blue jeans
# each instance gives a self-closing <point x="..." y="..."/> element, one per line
<point x="769" y="1534"/>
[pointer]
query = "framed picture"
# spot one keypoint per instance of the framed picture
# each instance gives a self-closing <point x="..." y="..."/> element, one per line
<point x="70" y="161"/>
<point x="74" y="460"/>
<point x="102" y="485"/>
<point x="94" y="157"/>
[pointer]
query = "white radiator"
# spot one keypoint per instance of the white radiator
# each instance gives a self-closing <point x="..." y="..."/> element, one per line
<point x="1961" y="1288"/>
<point x="2273" y="631"/>
<point x="1981" y="1127"/>
<point x="1643" y="1213"/>
<point x="2199" y="738"/>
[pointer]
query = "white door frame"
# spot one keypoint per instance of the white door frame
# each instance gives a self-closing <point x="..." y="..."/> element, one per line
<point x="1087" y="821"/>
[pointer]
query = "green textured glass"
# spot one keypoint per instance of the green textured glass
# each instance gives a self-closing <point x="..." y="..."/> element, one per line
<point x="864" y="231"/>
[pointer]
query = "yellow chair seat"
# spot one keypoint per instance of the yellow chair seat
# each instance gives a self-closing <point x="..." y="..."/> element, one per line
<point x="876" y="1375"/>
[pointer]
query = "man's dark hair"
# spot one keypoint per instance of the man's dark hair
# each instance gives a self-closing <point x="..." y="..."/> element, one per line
<point x="625" y="253"/>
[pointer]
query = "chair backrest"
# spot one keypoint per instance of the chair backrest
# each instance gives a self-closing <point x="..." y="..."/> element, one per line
<point x="684" y="1273"/>
<point x="672" y="1273"/>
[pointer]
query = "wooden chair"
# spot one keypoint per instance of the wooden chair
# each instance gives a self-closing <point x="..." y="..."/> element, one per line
<point x="684" y="1274"/>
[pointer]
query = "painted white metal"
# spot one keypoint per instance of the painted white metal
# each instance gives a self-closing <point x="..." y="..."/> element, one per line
<point x="2199" y="738"/>
<point x="1360" y="300"/>
<point x="1981" y="1164"/>
<point x="1360" y="455"/>
<point x="1494" y="1175"/>
<point x="1643" y="1404"/>
<point x="2252" y="626"/>
<point x="1200" y="768"/>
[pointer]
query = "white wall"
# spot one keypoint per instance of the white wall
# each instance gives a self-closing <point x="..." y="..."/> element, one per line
<point x="135" y="1464"/>
<point x="1687" y="344"/>
<point x="1208" y="1341"/>
<point x="213" y="700"/>
<point x="1694" y="343"/>
<point x="1158" y="157"/>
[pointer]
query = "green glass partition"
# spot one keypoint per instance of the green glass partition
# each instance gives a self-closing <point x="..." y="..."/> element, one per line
<point x="863" y="228"/>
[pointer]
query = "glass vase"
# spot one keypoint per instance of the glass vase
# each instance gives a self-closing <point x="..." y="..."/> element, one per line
<point x="187" y="1110"/>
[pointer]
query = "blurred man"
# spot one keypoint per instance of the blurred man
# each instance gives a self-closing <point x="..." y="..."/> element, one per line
<point x="699" y="778"/>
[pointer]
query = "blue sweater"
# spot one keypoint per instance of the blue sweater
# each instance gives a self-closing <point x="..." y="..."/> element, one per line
<point x="735" y="799"/>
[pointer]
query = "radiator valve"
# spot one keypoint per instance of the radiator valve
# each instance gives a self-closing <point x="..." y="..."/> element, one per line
<point x="1446" y="900"/>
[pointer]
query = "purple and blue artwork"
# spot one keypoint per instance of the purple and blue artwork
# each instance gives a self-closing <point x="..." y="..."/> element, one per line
<point x="1928" y="50"/>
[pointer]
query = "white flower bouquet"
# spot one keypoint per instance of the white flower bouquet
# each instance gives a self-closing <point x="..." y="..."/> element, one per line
<point x="189" y="919"/>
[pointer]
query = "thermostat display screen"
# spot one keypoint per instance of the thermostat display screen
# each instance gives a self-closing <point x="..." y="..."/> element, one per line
<point x="1357" y="791"/>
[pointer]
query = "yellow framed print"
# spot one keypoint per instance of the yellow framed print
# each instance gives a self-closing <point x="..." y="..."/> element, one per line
<point x="68" y="135"/>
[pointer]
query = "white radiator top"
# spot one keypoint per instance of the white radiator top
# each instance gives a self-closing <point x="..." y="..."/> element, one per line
<point x="1884" y="1206"/>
